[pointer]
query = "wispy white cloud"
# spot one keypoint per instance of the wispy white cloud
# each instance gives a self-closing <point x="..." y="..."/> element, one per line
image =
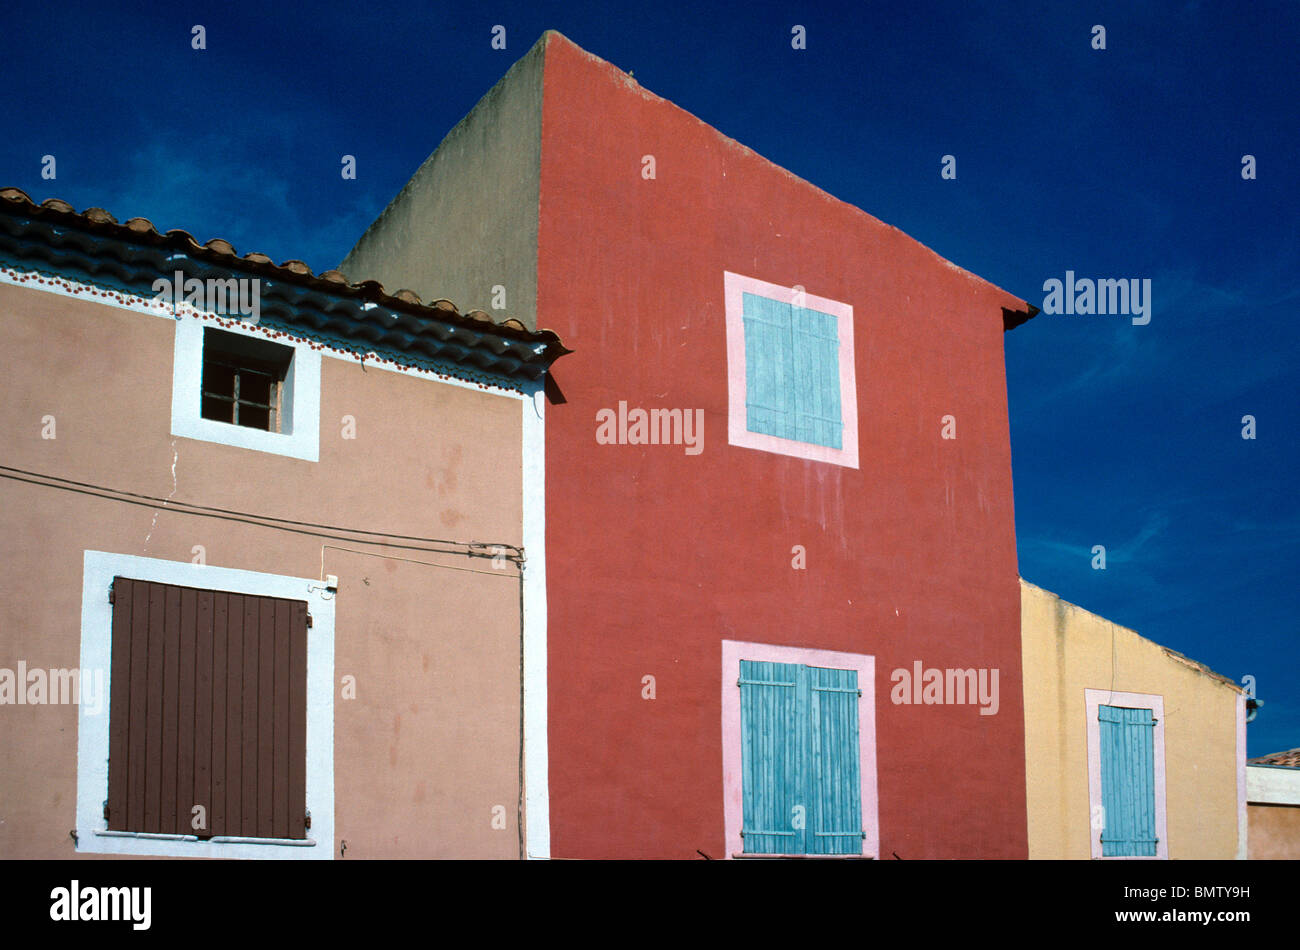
<point x="214" y="185"/>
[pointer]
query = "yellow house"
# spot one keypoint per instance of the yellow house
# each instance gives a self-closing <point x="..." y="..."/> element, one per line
<point x="1131" y="749"/>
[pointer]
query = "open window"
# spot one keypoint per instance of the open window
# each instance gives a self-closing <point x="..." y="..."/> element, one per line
<point x="244" y="381"/>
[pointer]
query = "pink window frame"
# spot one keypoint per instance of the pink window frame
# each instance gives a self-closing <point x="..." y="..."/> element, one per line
<point x="735" y="286"/>
<point x="1094" y="698"/>
<point x="733" y="651"/>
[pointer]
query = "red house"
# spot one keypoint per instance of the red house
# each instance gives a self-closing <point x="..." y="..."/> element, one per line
<point x="782" y="602"/>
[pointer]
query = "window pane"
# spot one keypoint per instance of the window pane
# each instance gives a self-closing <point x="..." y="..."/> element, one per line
<point x="217" y="409"/>
<point x="253" y="417"/>
<point x="218" y="380"/>
<point x="247" y="373"/>
<point x="254" y="387"/>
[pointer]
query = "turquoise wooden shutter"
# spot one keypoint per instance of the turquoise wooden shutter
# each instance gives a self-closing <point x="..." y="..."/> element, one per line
<point x="800" y="766"/>
<point x="770" y="756"/>
<point x="1128" y="781"/>
<point x="835" y="814"/>
<point x="792" y="372"/>
<point x="815" y="336"/>
<point x="769" y="367"/>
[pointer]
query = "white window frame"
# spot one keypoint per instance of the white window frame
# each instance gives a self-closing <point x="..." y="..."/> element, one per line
<point x="1094" y="698"/>
<point x="299" y="400"/>
<point x="93" y="834"/>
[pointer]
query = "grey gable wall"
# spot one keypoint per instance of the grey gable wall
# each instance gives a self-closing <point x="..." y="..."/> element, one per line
<point x="467" y="219"/>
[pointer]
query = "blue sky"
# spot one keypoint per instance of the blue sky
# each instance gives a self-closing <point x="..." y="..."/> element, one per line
<point x="1119" y="163"/>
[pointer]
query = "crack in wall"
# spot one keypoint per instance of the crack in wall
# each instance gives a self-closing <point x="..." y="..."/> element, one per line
<point x="154" y="524"/>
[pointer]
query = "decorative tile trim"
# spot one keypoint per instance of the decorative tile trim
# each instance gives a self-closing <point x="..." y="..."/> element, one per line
<point x="327" y="344"/>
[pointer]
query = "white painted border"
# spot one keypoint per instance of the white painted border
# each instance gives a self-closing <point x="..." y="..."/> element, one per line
<point x="1273" y="784"/>
<point x="733" y="651"/>
<point x="537" y="802"/>
<point x="92" y="729"/>
<point x="1104" y="697"/>
<point x="735" y="286"/>
<point x="301" y="396"/>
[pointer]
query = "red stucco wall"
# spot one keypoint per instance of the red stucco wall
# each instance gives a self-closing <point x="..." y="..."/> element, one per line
<point x="655" y="556"/>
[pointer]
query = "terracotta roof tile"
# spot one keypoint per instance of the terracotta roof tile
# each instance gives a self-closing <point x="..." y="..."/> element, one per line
<point x="1291" y="758"/>
<point x="219" y="251"/>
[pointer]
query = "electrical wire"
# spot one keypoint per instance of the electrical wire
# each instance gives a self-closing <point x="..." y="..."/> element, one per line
<point x="475" y="548"/>
<point x="408" y="560"/>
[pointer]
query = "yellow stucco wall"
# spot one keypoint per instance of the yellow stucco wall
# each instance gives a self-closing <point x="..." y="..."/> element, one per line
<point x="1068" y="650"/>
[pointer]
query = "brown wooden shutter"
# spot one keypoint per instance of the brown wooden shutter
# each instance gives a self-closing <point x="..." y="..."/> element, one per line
<point x="208" y="707"/>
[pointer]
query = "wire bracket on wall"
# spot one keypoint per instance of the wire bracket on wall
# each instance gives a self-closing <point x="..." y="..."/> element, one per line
<point x="328" y="588"/>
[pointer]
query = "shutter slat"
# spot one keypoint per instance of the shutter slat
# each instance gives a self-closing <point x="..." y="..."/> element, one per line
<point x="119" y="709"/>
<point x="234" y="715"/>
<point x="280" y="701"/>
<point x="169" y="753"/>
<point x="155" y="656"/>
<point x="137" y="699"/>
<point x="248" y="735"/>
<point x="203" y="710"/>
<point x="265" y="716"/>
<point x="297" y="720"/>
<point x="185" y="733"/>
<point x="220" y="712"/>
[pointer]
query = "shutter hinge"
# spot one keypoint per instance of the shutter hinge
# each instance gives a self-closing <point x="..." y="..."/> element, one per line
<point x="112" y="597"/>
<point x="309" y="622"/>
<point x="859" y="693"/>
<point x="307" y="821"/>
<point x="106" y="809"/>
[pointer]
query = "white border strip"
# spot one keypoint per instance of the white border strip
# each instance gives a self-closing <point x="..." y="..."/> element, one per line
<point x="1272" y="785"/>
<point x="537" y="802"/>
